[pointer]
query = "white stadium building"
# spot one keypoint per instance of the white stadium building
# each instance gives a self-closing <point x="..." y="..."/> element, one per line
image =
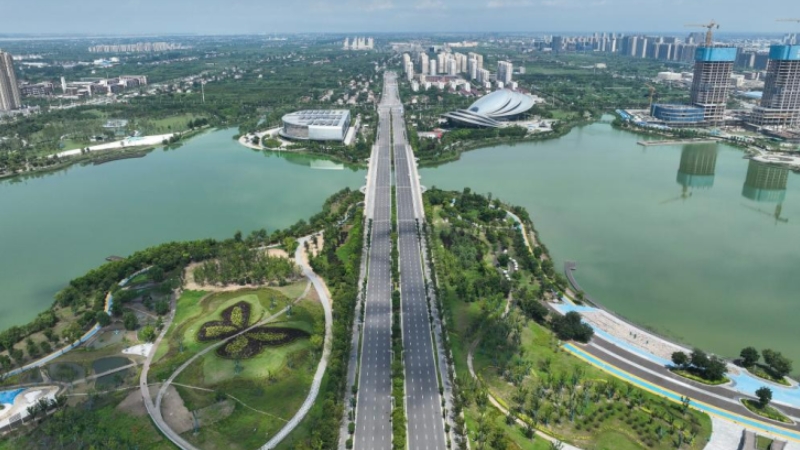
<point x="316" y="125"/>
<point x="492" y="109"/>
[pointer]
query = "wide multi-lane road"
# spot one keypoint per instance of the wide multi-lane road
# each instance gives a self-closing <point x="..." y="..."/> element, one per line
<point x="423" y="401"/>
<point x="374" y="404"/>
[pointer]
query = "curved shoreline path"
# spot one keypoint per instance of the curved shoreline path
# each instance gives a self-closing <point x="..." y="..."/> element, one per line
<point x="647" y="371"/>
<point x="154" y="408"/>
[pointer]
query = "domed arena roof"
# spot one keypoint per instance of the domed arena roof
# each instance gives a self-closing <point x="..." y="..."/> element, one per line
<point x="488" y="110"/>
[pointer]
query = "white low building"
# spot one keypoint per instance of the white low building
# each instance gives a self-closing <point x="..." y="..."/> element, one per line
<point x="316" y="125"/>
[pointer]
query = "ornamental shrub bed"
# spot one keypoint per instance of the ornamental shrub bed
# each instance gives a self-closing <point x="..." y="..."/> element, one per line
<point x="252" y="343"/>
<point x="234" y="319"/>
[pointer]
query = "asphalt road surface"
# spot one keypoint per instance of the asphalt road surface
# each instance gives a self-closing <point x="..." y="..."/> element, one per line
<point x="374" y="406"/>
<point x="423" y="401"/>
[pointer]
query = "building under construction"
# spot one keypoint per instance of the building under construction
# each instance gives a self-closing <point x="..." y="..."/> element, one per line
<point x="712" y="82"/>
<point x="780" y="104"/>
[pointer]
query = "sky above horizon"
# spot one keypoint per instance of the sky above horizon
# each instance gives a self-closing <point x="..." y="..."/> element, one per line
<point x="350" y="16"/>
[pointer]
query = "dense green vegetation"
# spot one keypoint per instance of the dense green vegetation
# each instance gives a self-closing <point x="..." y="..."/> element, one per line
<point x="95" y="424"/>
<point x="241" y="264"/>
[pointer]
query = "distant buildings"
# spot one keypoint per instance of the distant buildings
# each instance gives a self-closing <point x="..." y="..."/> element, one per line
<point x="504" y="71"/>
<point x="9" y="92"/>
<point x="316" y="125"/>
<point x="359" y="43"/>
<point x="780" y="103"/>
<point x="139" y="47"/>
<point x="712" y="82"/>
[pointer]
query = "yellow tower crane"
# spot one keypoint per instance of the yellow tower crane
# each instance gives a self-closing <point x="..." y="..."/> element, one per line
<point x="711" y="26"/>
<point x="652" y="94"/>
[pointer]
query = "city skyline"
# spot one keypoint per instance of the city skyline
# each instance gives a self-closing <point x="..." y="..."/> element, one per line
<point x="136" y="17"/>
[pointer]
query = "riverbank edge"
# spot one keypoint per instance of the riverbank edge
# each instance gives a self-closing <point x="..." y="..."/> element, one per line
<point x="99" y="157"/>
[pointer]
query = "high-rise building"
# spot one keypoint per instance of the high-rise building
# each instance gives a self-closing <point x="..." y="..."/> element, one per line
<point x="472" y="68"/>
<point x="441" y="62"/>
<point x="452" y="67"/>
<point x="557" y="44"/>
<point x="483" y="76"/>
<point x="409" y="70"/>
<point x="780" y="103"/>
<point x="432" y="67"/>
<point x="712" y="81"/>
<point x="424" y="63"/>
<point x="504" y="71"/>
<point x="9" y="91"/>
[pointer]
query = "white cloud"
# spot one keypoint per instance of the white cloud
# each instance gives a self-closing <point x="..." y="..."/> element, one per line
<point x="379" y="5"/>
<point x="496" y="4"/>
<point x="430" y="4"/>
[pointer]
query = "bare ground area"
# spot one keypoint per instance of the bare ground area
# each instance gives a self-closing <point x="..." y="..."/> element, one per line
<point x="175" y="413"/>
<point x="133" y="404"/>
<point x="215" y="413"/>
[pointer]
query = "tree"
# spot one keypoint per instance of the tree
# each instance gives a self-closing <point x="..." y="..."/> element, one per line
<point x="749" y="356"/>
<point x="780" y="365"/>
<point x="162" y="307"/>
<point x="699" y="358"/>
<point x="680" y="359"/>
<point x="716" y="369"/>
<point x="103" y="319"/>
<point x="73" y="332"/>
<point x="148" y="333"/>
<point x="157" y="274"/>
<point x="764" y="395"/>
<point x="130" y="320"/>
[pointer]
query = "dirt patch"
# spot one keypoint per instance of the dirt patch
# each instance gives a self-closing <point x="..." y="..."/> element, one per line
<point x="215" y="413"/>
<point x="133" y="404"/>
<point x="277" y="253"/>
<point x="175" y="413"/>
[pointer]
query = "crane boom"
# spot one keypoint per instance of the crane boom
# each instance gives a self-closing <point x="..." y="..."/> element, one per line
<point x="788" y="20"/>
<point x="711" y="26"/>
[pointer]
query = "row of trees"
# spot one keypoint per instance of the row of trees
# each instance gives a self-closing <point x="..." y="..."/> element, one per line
<point x="700" y="364"/>
<point x="777" y="365"/>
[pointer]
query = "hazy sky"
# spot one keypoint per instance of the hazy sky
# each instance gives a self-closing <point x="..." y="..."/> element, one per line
<point x="280" y="16"/>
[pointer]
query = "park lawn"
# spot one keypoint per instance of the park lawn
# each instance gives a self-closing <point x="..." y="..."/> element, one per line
<point x="194" y="308"/>
<point x="171" y="123"/>
<point x="294" y="290"/>
<point x="271" y="360"/>
<point x="277" y="402"/>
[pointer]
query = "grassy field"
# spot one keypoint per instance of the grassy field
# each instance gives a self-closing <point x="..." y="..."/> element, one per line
<point x="268" y="388"/>
<point x="194" y="308"/>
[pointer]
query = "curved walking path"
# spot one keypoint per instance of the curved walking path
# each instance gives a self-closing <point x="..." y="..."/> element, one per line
<point x="322" y="291"/>
<point x="154" y="408"/>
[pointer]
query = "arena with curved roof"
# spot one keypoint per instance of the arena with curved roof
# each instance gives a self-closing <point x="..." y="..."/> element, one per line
<point x="492" y="109"/>
<point x="316" y="125"/>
